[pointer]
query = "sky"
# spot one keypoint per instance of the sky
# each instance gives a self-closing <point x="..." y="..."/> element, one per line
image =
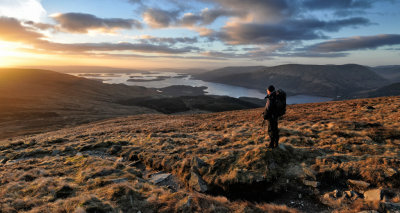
<point x="146" y="34"/>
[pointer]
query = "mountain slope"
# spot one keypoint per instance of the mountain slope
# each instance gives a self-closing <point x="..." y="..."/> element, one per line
<point x="338" y="156"/>
<point x="391" y="73"/>
<point x="33" y="100"/>
<point x="320" y="80"/>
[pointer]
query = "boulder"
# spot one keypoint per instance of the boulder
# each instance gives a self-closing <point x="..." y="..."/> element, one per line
<point x="311" y="183"/>
<point x="197" y="183"/>
<point x="358" y="185"/>
<point x="164" y="179"/>
<point x="373" y="195"/>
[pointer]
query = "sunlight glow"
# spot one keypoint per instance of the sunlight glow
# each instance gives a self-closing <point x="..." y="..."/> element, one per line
<point x="22" y="9"/>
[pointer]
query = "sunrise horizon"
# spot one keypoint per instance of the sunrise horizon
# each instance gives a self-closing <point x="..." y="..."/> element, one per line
<point x="197" y="33"/>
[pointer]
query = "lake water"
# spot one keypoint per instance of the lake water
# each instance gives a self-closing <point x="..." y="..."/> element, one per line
<point x="165" y="79"/>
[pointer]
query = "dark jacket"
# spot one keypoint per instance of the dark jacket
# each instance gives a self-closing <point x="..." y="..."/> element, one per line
<point x="270" y="107"/>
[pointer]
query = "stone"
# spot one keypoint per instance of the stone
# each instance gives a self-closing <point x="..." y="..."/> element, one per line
<point x="165" y="179"/>
<point x="358" y="184"/>
<point x="158" y="178"/>
<point x="197" y="183"/>
<point x="311" y="183"/>
<point x="373" y="195"/>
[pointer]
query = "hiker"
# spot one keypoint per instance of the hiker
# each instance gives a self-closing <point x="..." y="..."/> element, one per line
<point x="270" y="113"/>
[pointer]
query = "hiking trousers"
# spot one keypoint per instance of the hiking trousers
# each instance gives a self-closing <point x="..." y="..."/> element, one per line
<point x="273" y="132"/>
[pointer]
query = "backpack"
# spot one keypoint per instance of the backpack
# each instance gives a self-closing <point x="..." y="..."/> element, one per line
<point x="280" y="103"/>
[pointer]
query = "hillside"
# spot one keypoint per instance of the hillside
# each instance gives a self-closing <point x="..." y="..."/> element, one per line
<point x="389" y="90"/>
<point x="334" y="157"/>
<point x="34" y="101"/>
<point x="319" y="80"/>
<point x="391" y="73"/>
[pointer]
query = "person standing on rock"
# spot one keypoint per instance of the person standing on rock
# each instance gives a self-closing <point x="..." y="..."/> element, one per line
<point x="270" y="114"/>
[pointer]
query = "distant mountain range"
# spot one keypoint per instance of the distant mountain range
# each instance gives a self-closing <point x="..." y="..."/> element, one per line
<point x="319" y="80"/>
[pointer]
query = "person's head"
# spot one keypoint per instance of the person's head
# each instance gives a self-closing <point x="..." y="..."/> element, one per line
<point x="270" y="89"/>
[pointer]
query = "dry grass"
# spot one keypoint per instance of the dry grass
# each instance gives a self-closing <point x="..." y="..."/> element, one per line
<point x="108" y="164"/>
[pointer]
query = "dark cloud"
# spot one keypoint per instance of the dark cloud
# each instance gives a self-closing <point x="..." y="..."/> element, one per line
<point x="356" y="43"/>
<point x="314" y="55"/>
<point x="157" y="18"/>
<point x="288" y="30"/>
<point x="82" y="23"/>
<point x="337" y="4"/>
<point x="168" y="40"/>
<point x="206" y="17"/>
<point x="260" y="10"/>
<point x="40" y="26"/>
<point x="136" y="47"/>
<point x="12" y="30"/>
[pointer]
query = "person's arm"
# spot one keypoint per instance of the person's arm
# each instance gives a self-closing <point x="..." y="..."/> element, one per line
<point x="267" y="108"/>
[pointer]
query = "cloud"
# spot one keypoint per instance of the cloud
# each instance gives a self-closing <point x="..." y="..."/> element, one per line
<point x="122" y="46"/>
<point x="288" y="30"/>
<point x="82" y="23"/>
<point x="260" y="10"/>
<point x="22" y="9"/>
<point x="356" y="43"/>
<point x="169" y="40"/>
<point x="136" y="1"/>
<point x="157" y="18"/>
<point x="12" y="30"/>
<point x="206" y="17"/>
<point x="40" y="26"/>
<point x="337" y="4"/>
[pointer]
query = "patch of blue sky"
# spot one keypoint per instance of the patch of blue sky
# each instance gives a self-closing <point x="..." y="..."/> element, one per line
<point x="99" y="8"/>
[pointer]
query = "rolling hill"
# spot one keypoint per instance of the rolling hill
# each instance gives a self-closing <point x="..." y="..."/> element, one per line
<point x="319" y="80"/>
